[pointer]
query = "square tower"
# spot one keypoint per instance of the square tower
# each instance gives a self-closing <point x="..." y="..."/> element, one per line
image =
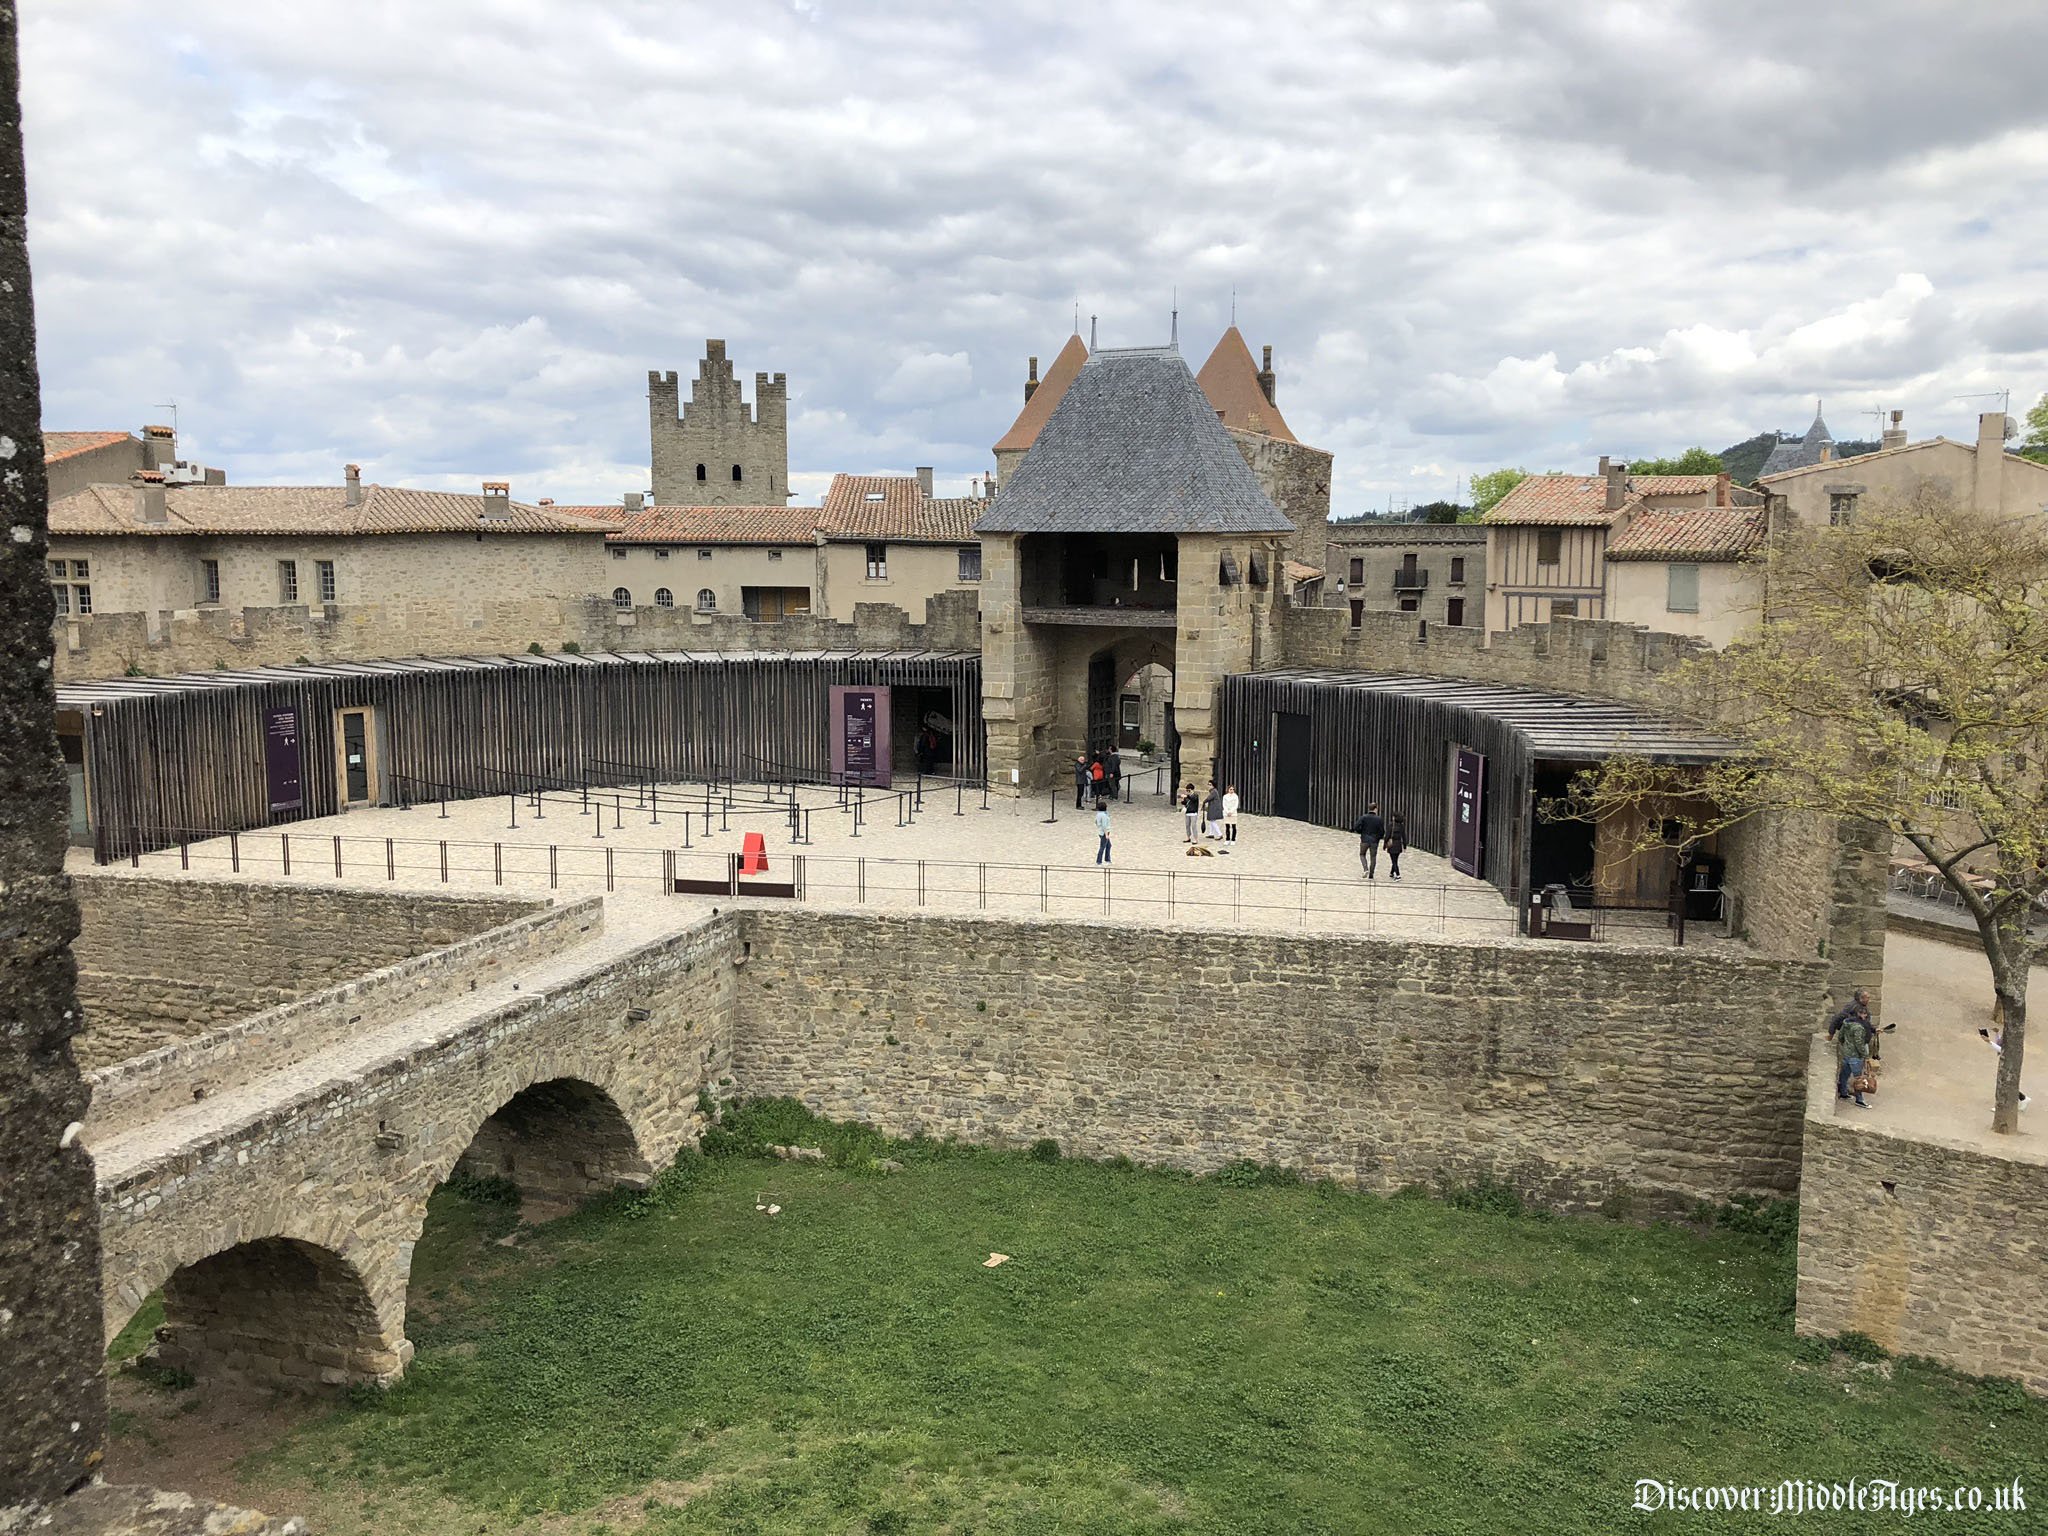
<point x="715" y="450"/>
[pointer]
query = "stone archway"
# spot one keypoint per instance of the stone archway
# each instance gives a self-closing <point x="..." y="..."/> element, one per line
<point x="559" y="1142"/>
<point x="276" y="1312"/>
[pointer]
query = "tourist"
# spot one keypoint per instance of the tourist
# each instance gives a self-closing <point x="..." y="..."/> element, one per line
<point x="1212" y="812"/>
<point x="1850" y="1030"/>
<point x="1113" y="765"/>
<point x="1371" y="832"/>
<point x="1191" y="808"/>
<point x="1230" y="814"/>
<point x="1082" y="782"/>
<point x="1858" y="1007"/>
<point x="1397" y="842"/>
<point x="1102" y="831"/>
<point x="1997" y="1044"/>
<point x="1097" y="774"/>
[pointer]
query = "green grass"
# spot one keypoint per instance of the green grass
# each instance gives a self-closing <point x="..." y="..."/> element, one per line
<point x="1161" y="1353"/>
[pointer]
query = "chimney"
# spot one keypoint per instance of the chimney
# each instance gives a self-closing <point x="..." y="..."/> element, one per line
<point x="159" y="447"/>
<point x="149" y="497"/>
<point x="1031" y="381"/>
<point x="1091" y="335"/>
<point x="497" y="500"/>
<point x="545" y="501"/>
<point x="1895" y="434"/>
<point x="1617" y="484"/>
<point x="1827" y="453"/>
<point x="1723" y="485"/>
<point x="635" y="501"/>
<point x="352" y="478"/>
<point x="1989" y="479"/>
<point x="924" y="479"/>
<point x="1267" y="381"/>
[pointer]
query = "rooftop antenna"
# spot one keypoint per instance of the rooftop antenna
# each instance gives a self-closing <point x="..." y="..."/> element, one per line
<point x="172" y="407"/>
<point x="1173" y="336"/>
<point x="2002" y="396"/>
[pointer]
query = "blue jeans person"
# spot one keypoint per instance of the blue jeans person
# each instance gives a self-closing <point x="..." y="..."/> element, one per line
<point x="1850" y="1067"/>
<point x="1102" y="849"/>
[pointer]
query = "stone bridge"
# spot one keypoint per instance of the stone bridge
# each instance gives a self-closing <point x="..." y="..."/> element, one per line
<point x="272" y="1179"/>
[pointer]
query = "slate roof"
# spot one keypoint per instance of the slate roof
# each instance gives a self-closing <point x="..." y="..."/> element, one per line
<point x="1134" y="446"/>
<point x="1051" y="388"/>
<point x="1556" y="499"/>
<point x="1789" y="454"/>
<point x="61" y="445"/>
<point x="1231" y="381"/>
<point x="1705" y="534"/>
<point x="719" y="525"/>
<point x="300" y="509"/>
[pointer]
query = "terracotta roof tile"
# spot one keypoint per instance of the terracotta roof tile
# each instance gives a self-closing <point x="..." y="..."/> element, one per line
<point x="61" y="445"/>
<point x="1573" y="499"/>
<point x="301" y="509"/>
<point x="1297" y="571"/>
<point x="1039" y="408"/>
<point x="720" y="525"/>
<point x="1231" y="381"/>
<point x="896" y="507"/>
<point x="1673" y="485"/>
<point x="1689" y="533"/>
<point x="611" y="515"/>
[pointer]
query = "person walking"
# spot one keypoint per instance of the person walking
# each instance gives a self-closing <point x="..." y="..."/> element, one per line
<point x="1858" y="1008"/>
<point x="1212" y="812"/>
<point x="1230" y="803"/>
<point x="1096" y="774"/>
<point x="1081" y="783"/>
<point x="1113" y="772"/>
<point x="1397" y="842"/>
<point x="1371" y="832"/>
<point x="1191" y="809"/>
<point x="1102" y="831"/>
<point x="1850" y="1030"/>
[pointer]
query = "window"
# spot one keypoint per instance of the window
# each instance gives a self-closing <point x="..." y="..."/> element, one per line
<point x="287" y="581"/>
<point x="1841" y="508"/>
<point x="700" y="473"/>
<point x="73" y="595"/>
<point x="618" y="552"/>
<point x="1947" y="797"/>
<point x="621" y="598"/>
<point x="1549" y="546"/>
<point x="325" y="570"/>
<point x="703" y="554"/>
<point x="735" y="474"/>
<point x="1457" y="570"/>
<point x="707" y="600"/>
<point x="1564" y="607"/>
<point x="774" y="554"/>
<point x="1410" y="604"/>
<point x="1454" y="611"/>
<point x="1357" y="573"/>
<point x="970" y="562"/>
<point x="878" y="562"/>
<point x="1357" y="613"/>
<point x="62" y="594"/>
<point x="661" y="554"/>
<point x="81" y="597"/>
<point x="209" y="581"/>
<point x="663" y="598"/>
<point x="1682" y="588"/>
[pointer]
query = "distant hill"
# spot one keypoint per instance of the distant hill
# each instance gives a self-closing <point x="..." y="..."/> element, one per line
<point x="1746" y="458"/>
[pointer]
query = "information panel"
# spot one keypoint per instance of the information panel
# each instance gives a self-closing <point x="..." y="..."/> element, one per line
<point x="860" y="736"/>
<point x="281" y="759"/>
<point x="1468" y="811"/>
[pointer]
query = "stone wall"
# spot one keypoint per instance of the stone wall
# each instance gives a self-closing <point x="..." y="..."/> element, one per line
<point x="207" y="639"/>
<point x="133" y="1092"/>
<point x="1930" y="1248"/>
<point x="162" y="960"/>
<point x="1296" y="479"/>
<point x="1375" y="1062"/>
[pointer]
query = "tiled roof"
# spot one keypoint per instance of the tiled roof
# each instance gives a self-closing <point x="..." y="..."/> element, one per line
<point x="1296" y="571"/>
<point x="1673" y="485"/>
<point x="1801" y="453"/>
<point x="1835" y="466"/>
<point x="720" y="525"/>
<point x="1039" y="408"/>
<point x="1134" y="447"/>
<point x="61" y="445"/>
<point x="301" y="509"/>
<point x="895" y="507"/>
<point x="1689" y="533"/>
<point x="1579" y="499"/>
<point x="1231" y="381"/>
<point x="610" y="516"/>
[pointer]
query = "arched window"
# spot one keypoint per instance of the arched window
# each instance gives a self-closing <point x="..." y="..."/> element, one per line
<point x="621" y="598"/>
<point x="707" y="600"/>
<point x="735" y="474"/>
<point x="663" y="598"/>
<point x="700" y="472"/>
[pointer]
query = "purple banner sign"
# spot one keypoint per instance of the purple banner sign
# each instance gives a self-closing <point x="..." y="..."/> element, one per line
<point x="860" y="736"/>
<point x="281" y="759"/>
<point x="1468" y="811"/>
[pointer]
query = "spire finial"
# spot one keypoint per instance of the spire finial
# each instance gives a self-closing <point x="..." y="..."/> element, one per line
<point x="1077" y="317"/>
<point x="1233" y="303"/>
<point x="1174" y="334"/>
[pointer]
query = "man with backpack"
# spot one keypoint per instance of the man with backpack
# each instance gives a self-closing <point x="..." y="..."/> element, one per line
<point x="1371" y="830"/>
<point x="1851" y="1032"/>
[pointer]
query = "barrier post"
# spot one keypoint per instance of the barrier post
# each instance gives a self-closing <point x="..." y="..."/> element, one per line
<point x="1105" y="890"/>
<point x="444" y="861"/>
<point x="235" y="852"/>
<point x="618" y="813"/>
<point x="337" y="856"/>
<point x="497" y="863"/>
<point x="959" y="790"/>
<point x="512" y="801"/>
<point x="390" y="860"/>
<point x="610" y="884"/>
<point x="284" y="844"/>
<point x="554" y="877"/>
<point x="860" y="880"/>
<point x="135" y="848"/>
<point x="1041" y="888"/>
<point x="184" y="852"/>
<point x="920" y="882"/>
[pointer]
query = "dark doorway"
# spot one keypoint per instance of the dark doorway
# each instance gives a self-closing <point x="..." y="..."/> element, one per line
<point x="1172" y="750"/>
<point x="1102" y="681"/>
<point x="1290" y="765"/>
<point x="1560" y="852"/>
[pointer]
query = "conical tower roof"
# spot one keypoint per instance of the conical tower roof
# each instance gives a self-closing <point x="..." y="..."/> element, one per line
<point x="1231" y="381"/>
<point x="1039" y="408"/>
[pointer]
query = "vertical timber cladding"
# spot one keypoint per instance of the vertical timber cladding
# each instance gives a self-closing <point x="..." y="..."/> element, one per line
<point x="189" y="754"/>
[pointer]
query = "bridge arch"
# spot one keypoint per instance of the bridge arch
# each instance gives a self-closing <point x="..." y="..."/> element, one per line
<point x="560" y="1139"/>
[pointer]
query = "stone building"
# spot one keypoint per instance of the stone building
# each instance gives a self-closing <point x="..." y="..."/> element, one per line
<point x="716" y="450"/>
<point x="155" y="548"/>
<point x="1294" y="476"/>
<point x="1132" y="533"/>
<point x="1689" y="571"/>
<point x="1436" y="571"/>
<point x="888" y="539"/>
<point x="1982" y="475"/>
<point x="75" y="460"/>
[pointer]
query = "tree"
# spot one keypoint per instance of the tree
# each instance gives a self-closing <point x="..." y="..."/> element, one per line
<point x="2035" y="445"/>
<point x="1438" y="512"/>
<point x="1694" y="461"/>
<point x="1487" y="489"/>
<point x="1901" y="681"/>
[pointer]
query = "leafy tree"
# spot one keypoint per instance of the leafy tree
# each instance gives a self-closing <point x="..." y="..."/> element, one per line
<point x="1487" y="489"/>
<point x="2035" y="444"/>
<point x="1694" y="461"/>
<point x="1438" y="512"/>
<point x="1902" y="681"/>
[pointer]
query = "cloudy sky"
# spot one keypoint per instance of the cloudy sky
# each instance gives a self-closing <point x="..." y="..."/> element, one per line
<point x="449" y="239"/>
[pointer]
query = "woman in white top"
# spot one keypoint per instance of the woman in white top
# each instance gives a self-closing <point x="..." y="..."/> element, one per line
<point x="1230" y="814"/>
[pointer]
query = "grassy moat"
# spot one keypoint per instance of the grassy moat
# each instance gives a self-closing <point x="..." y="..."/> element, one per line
<point x="1160" y="1353"/>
